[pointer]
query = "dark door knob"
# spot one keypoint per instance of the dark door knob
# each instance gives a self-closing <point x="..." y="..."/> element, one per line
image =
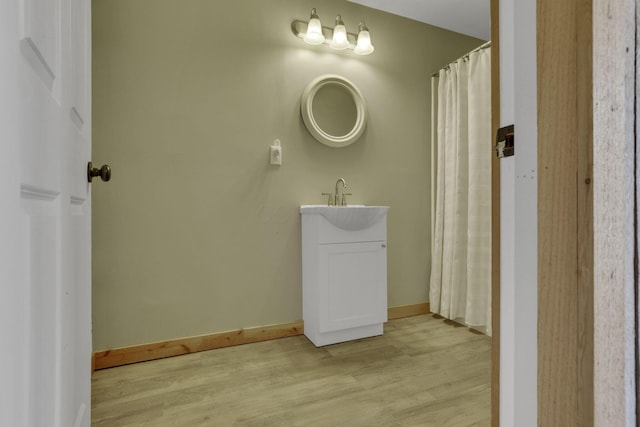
<point x="104" y="172"/>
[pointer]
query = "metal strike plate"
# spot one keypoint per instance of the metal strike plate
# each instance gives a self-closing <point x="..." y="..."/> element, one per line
<point x="504" y="142"/>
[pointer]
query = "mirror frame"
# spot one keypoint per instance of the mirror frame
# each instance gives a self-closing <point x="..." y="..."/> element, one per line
<point x="306" y="109"/>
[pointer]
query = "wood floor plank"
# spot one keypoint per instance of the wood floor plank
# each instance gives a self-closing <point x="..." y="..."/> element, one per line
<point x="422" y="371"/>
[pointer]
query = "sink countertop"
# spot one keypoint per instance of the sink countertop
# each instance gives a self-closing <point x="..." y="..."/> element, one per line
<point x="350" y="217"/>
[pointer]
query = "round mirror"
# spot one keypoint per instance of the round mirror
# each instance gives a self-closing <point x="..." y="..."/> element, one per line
<point x="333" y="110"/>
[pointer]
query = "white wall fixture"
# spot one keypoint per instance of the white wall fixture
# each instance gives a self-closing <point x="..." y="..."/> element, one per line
<point x="276" y="153"/>
<point x="338" y="38"/>
<point x="333" y="110"/>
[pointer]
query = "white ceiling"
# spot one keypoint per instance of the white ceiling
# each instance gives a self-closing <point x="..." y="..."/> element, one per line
<point x="470" y="17"/>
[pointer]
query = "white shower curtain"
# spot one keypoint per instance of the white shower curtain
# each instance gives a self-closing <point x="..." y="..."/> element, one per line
<point x="460" y="286"/>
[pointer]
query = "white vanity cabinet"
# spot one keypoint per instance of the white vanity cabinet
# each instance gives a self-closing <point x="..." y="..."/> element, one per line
<point x="344" y="273"/>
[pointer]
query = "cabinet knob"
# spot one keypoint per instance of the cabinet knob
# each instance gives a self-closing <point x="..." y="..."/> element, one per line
<point x="384" y="245"/>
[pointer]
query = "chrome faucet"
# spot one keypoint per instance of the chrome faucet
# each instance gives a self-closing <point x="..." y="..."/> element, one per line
<point x="341" y="201"/>
<point x="335" y="199"/>
<point x="344" y="185"/>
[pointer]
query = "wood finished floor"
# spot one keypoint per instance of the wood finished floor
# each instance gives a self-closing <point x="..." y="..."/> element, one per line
<point x="422" y="372"/>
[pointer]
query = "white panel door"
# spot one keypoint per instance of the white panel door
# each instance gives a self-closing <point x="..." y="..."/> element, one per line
<point x="45" y="213"/>
<point x="353" y="285"/>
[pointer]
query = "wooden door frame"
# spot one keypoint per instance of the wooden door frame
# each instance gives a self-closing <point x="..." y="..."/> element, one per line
<point x="495" y="217"/>
<point x="565" y="212"/>
<point x="586" y="248"/>
<point x="582" y="380"/>
<point x="565" y="221"/>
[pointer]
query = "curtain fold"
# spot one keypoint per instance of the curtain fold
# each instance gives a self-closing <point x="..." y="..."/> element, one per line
<point x="460" y="283"/>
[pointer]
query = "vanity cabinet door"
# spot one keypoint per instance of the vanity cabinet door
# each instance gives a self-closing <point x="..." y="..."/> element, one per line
<point x="352" y="285"/>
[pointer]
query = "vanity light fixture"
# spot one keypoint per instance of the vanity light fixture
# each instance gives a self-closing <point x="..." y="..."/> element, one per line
<point x="338" y="38"/>
<point x="339" y="41"/>
<point x="363" y="46"/>
<point x="314" y="34"/>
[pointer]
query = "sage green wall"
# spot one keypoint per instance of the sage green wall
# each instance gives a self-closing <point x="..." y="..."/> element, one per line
<point x="196" y="233"/>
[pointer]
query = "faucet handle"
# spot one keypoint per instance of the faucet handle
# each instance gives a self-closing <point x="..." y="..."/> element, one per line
<point x="344" y="199"/>
<point x="331" y="198"/>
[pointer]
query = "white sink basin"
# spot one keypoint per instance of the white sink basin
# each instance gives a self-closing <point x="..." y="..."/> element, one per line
<point x="351" y="217"/>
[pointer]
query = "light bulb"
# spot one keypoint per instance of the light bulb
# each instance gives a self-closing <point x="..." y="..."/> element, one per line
<point x="339" y="40"/>
<point x="363" y="45"/>
<point x="314" y="30"/>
